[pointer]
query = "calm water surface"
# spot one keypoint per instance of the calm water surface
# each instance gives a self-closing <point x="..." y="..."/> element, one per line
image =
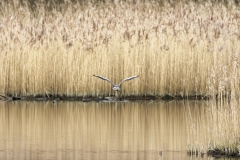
<point x="102" y="131"/>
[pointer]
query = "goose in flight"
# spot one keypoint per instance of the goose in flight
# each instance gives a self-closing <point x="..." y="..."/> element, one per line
<point x="116" y="87"/>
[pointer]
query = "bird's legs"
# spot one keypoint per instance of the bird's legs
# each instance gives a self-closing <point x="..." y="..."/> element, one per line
<point x="116" y="95"/>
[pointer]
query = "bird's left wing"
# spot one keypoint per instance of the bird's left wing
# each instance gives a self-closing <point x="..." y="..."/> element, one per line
<point x="127" y="79"/>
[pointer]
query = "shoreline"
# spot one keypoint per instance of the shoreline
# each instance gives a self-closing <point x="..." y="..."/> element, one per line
<point x="166" y="97"/>
<point x="216" y="153"/>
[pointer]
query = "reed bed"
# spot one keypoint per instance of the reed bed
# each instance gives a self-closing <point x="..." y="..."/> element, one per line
<point x="182" y="50"/>
<point x="215" y="130"/>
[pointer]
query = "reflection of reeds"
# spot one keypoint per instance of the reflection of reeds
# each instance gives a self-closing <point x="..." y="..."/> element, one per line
<point x="81" y="129"/>
<point x="189" y="49"/>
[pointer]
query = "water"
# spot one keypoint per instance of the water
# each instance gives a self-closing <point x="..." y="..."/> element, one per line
<point x="77" y="130"/>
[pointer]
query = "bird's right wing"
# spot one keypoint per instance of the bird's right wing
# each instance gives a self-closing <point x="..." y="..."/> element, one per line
<point x="103" y="78"/>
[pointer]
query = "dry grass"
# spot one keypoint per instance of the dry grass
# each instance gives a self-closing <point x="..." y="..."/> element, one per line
<point x="183" y="50"/>
<point x="215" y="129"/>
<point x="225" y="127"/>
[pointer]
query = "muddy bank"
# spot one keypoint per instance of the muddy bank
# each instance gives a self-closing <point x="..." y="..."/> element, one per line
<point x="216" y="153"/>
<point x="110" y="98"/>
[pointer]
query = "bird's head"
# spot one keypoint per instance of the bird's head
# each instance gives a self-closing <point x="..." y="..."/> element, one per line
<point x="116" y="88"/>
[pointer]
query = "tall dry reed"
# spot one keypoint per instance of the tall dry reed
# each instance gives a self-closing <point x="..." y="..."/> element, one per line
<point x="215" y="129"/>
<point x="188" y="49"/>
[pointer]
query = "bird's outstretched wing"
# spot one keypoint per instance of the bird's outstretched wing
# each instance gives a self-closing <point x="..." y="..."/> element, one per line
<point x="127" y="79"/>
<point x="103" y="78"/>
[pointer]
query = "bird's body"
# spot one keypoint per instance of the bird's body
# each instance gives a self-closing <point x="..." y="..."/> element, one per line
<point x="116" y="87"/>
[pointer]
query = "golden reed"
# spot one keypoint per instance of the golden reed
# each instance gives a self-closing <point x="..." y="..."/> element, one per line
<point x="186" y="49"/>
<point x="214" y="128"/>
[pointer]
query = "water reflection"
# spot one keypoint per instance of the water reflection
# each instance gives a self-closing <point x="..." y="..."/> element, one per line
<point x="77" y="130"/>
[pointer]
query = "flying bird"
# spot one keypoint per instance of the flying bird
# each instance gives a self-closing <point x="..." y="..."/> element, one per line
<point x="116" y="87"/>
